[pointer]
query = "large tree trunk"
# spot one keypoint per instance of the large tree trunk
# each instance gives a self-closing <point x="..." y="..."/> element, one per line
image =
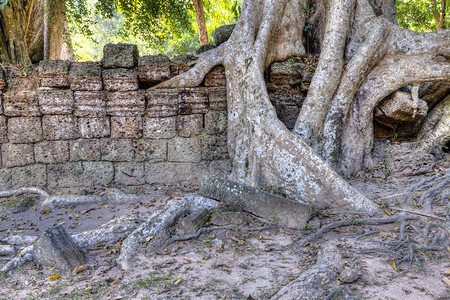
<point x="364" y="57"/>
<point x="439" y="12"/>
<point x="22" y="32"/>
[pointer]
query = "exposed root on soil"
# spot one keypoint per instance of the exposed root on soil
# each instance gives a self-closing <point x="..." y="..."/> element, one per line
<point x="353" y="221"/>
<point x="113" y="196"/>
<point x="208" y="229"/>
<point x="155" y="231"/>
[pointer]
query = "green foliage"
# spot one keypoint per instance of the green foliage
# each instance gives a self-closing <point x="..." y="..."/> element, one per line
<point x="417" y="15"/>
<point x="156" y="26"/>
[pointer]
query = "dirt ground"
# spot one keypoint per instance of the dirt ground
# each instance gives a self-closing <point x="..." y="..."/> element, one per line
<point x="240" y="264"/>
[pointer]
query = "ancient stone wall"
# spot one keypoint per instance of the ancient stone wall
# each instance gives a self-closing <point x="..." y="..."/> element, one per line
<point x="83" y="124"/>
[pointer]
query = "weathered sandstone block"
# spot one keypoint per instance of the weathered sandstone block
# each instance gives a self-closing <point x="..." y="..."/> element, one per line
<point x="86" y="76"/>
<point x="90" y="104"/>
<point x="23" y="130"/>
<point x="120" y="56"/>
<point x="54" y="73"/>
<point x="94" y="127"/>
<point x="56" y="102"/>
<point x="17" y="155"/>
<point x="189" y="125"/>
<point x="130" y="174"/>
<point x="217" y="98"/>
<point x="126" y="127"/>
<point x="122" y="80"/>
<point x="184" y="149"/>
<point x="159" y="128"/>
<point x="216" y="122"/>
<point x="126" y="104"/>
<point x="85" y="150"/>
<point x="52" y="152"/>
<point x="34" y="175"/>
<point x="162" y="103"/>
<point x="193" y="101"/>
<point x="216" y="77"/>
<point x="60" y="127"/>
<point x="21" y="104"/>
<point x="154" y="68"/>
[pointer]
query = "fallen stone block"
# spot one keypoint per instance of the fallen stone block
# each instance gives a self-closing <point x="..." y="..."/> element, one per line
<point x="19" y="204"/>
<point x="224" y="218"/>
<point x="284" y="211"/>
<point x="223" y="33"/>
<point x="191" y="223"/>
<point x="56" y="249"/>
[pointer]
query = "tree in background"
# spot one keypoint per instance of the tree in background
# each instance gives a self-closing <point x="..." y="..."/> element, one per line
<point x="423" y="15"/>
<point x="95" y="24"/>
<point x="24" y="35"/>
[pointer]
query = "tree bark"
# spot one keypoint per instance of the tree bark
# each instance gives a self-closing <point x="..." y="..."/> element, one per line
<point x="364" y="57"/>
<point x="201" y="23"/>
<point x="22" y="32"/>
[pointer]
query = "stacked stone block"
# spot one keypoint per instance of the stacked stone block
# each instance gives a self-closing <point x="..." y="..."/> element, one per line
<point x="92" y="124"/>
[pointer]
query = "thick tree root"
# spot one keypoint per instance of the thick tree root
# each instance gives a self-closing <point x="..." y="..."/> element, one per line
<point x="113" y="196"/>
<point x="155" y="229"/>
<point x="353" y="221"/>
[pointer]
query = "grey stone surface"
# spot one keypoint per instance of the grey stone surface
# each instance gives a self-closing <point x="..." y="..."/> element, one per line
<point x="5" y="178"/>
<point x="214" y="147"/>
<point x="56" y="249"/>
<point x="17" y="155"/>
<point x="130" y="174"/>
<point x="159" y="128"/>
<point x="94" y="127"/>
<point x="23" y="103"/>
<point x="126" y="127"/>
<point x="271" y="207"/>
<point x="223" y="33"/>
<point x="191" y="223"/>
<point x="60" y="127"/>
<point x="3" y="130"/>
<point x="189" y="125"/>
<point x="122" y="80"/>
<point x="184" y="149"/>
<point x="80" y="174"/>
<point x="85" y="76"/>
<point x="223" y="218"/>
<point x="147" y="150"/>
<point x="117" y="150"/>
<point x="120" y="56"/>
<point x="216" y="122"/>
<point x="34" y="175"/>
<point x="85" y="150"/>
<point x="90" y="104"/>
<point x="24" y="130"/>
<point x="52" y="152"/>
<point x="174" y="173"/>
<point x="56" y="102"/>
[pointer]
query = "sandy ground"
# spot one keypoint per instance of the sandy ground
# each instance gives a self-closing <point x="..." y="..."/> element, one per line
<point x="230" y="264"/>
